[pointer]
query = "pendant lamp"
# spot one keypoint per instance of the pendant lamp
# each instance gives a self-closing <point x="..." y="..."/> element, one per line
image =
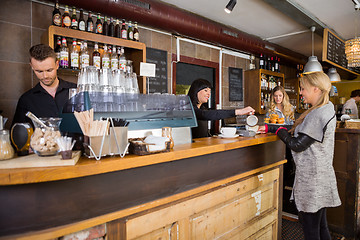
<point x="333" y="75"/>
<point x="313" y="64"/>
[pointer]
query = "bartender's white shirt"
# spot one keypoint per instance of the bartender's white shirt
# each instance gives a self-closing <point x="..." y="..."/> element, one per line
<point x="351" y="104"/>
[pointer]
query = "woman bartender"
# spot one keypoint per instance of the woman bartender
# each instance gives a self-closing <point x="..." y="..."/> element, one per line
<point x="199" y="94"/>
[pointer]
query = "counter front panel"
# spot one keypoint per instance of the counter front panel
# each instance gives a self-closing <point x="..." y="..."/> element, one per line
<point x="49" y="204"/>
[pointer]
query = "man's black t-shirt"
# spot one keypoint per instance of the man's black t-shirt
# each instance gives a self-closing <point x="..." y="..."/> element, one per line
<point x="38" y="101"/>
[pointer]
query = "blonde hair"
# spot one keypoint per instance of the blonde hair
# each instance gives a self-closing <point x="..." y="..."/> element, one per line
<point x="322" y="82"/>
<point x="288" y="110"/>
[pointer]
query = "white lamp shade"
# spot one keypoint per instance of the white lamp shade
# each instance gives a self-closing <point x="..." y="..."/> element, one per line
<point x="313" y="65"/>
<point x="333" y="75"/>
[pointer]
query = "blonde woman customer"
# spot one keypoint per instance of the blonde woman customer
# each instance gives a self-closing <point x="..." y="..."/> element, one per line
<point x="280" y="107"/>
<point x="311" y="141"/>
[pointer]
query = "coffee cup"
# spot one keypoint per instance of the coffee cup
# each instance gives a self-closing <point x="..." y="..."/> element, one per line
<point x="228" y="131"/>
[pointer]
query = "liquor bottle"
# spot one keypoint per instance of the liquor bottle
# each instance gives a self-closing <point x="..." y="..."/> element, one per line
<point x="74" y="56"/>
<point x="278" y="61"/>
<point x="276" y="65"/>
<point x="64" y="54"/>
<point x="272" y="64"/>
<point x="118" y="52"/>
<point x="66" y="20"/>
<point x="96" y="58"/>
<point x="74" y="21"/>
<point x="84" y="56"/>
<point x="123" y="30"/>
<point x="56" y="18"/>
<point x="269" y="64"/>
<point x="114" y="59"/>
<point x="122" y="60"/>
<point x="105" y="26"/>
<point x="111" y="30"/>
<point x="136" y="33"/>
<point x="105" y="62"/>
<point x="117" y="29"/>
<point x="262" y="62"/>
<point x="262" y="101"/>
<point x="81" y="21"/>
<point x="58" y="48"/>
<point x="90" y="23"/>
<point x="130" y="32"/>
<point x="109" y="52"/>
<point x="99" y="29"/>
<point x="298" y="70"/>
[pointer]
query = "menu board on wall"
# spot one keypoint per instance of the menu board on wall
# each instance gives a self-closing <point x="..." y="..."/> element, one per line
<point x="235" y="84"/>
<point x="157" y="84"/>
<point x="334" y="50"/>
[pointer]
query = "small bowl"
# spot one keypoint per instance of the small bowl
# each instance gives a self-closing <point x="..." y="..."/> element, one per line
<point x="46" y="153"/>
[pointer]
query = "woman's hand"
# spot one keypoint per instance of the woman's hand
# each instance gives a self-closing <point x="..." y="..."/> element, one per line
<point x="263" y="129"/>
<point x="245" y="111"/>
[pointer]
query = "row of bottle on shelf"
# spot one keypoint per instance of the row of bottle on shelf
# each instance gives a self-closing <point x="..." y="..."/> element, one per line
<point x="265" y="100"/>
<point x="75" y="58"/>
<point x="269" y="82"/>
<point x="269" y="63"/>
<point x="113" y="29"/>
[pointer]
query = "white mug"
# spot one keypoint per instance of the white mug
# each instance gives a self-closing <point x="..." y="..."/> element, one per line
<point x="228" y="131"/>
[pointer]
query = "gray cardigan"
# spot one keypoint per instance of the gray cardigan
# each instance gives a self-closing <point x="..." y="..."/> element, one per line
<point x="315" y="182"/>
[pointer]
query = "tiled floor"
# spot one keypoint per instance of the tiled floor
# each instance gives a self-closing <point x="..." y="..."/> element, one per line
<point x="291" y="230"/>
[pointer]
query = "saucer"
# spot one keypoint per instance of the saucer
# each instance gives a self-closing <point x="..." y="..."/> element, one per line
<point x="233" y="136"/>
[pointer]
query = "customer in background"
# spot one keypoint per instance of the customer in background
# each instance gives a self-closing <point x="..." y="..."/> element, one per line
<point x="280" y="105"/>
<point x="199" y="93"/>
<point x="48" y="97"/>
<point x="350" y="106"/>
<point x="312" y="145"/>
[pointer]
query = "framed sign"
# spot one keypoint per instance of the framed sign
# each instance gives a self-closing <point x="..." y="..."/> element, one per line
<point x="158" y="83"/>
<point x="334" y="51"/>
<point x="236" y="84"/>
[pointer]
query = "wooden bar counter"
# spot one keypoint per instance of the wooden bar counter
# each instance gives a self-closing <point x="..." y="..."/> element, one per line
<point x="211" y="188"/>
<point x="345" y="219"/>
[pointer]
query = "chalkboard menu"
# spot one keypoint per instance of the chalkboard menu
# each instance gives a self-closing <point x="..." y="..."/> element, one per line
<point x="235" y="84"/>
<point x="158" y="83"/>
<point x="335" y="49"/>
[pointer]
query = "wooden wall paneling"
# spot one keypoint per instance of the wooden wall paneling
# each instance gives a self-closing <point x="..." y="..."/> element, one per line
<point x="234" y="206"/>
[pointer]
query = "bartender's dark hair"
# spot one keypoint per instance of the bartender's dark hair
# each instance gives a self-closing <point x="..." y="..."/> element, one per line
<point x="198" y="85"/>
<point x="41" y="52"/>
<point x="355" y="93"/>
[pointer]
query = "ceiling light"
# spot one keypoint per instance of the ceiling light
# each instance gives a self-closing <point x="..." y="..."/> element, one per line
<point x="352" y="48"/>
<point x="333" y="75"/>
<point x="230" y="6"/>
<point x="313" y="64"/>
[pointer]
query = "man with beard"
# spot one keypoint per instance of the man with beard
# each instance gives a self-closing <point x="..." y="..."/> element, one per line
<point x="48" y="97"/>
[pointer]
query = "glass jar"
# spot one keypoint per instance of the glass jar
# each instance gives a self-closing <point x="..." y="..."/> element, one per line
<point x="6" y="150"/>
<point x="167" y="132"/>
<point x="43" y="140"/>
